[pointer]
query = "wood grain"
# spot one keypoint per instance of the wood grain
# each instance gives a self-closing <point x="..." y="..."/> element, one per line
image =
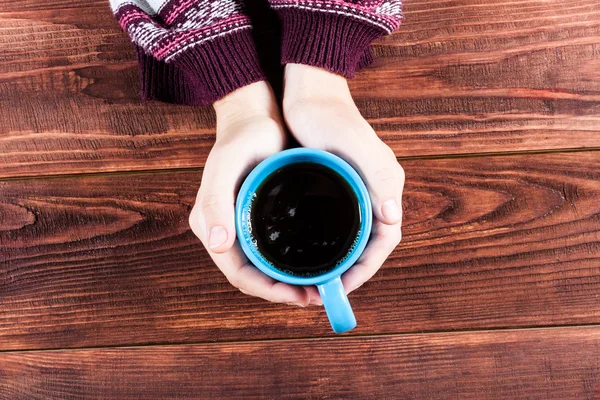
<point x="489" y="242"/>
<point x="459" y="77"/>
<point x="69" y="96"/>
<point x="534" y="364"/>
<point x="480" y="75"/>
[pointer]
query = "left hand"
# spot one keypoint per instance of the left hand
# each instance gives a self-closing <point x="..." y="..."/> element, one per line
<point x="320" y="113"/>
<point x="249" y="129"/>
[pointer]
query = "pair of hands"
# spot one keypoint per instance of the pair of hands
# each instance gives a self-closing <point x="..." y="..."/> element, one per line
<point x="320" y="113"/>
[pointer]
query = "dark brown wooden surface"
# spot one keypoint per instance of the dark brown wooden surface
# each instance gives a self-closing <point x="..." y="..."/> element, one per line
<point x="473" y="76"/>
<point x="531" y="364"/>
<point x="489" y="242"/>
<point x="494" y="293"/>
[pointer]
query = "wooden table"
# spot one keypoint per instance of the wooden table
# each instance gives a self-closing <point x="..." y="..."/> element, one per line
<point x="493" y="108"/>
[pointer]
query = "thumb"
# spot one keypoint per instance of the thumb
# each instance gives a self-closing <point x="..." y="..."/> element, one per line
<point x="213" y="216"/>
<point x="217" y="214"/>
<point x="385" y="180"/>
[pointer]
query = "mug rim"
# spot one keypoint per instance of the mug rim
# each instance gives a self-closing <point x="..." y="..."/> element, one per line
<point x="293" y="156"/>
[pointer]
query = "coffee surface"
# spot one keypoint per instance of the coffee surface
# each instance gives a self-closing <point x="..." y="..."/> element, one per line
<point x="305" y="219"/>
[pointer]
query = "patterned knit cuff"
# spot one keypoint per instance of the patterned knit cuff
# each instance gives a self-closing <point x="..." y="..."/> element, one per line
<point x="332" y="41"/>
<point x="204" y="73"/>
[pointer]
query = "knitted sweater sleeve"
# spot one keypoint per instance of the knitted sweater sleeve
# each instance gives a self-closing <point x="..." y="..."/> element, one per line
<point x="190" y="51"/>
<point x="334" y="34"/>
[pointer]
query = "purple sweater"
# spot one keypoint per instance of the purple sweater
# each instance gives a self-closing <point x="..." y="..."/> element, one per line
<point x="197" y="51"/>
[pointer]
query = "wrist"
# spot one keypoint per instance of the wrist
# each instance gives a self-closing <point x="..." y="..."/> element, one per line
<point x="254" y="100"/>
<point x="306" y="82"/>
<point x="246" y="106"/>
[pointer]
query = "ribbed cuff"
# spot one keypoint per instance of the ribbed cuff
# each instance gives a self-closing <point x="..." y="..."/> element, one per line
<point x="366" y="59"/>
<point x="163" y="82"/>
<point x="331" y="41"/>
<point x="204" y="73"/>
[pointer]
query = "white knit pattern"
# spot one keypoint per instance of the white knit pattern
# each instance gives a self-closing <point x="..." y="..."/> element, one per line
<point x="157" y="5"/>
<point x="220" y="17"/>
<point x="370" y="11"/>
<point x="196" y="41"/>
<point x="141" y="4"/>
<point x="392" y="8"/>
<point x="152" y="37"/>
<point x="203" y="16"/>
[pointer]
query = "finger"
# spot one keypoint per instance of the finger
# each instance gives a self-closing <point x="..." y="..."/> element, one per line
<point x="254" y="282"/>
<point x="223" y="237"/>
<point x="212" y="221"/>
<point x="213" y="216"/>
<point x="218" y="217"/>
<point x="384" y="240"/>
<point x="244" y="276"/>
<point x="384" y="178"/>
<point x="314" y="295"/>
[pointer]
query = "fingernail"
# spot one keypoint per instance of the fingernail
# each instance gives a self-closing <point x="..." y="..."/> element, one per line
<point x="296" y="304"/>
<point x="390" y="210"/>
<point x="217" y="236"/>
<point x="316" y="303"/>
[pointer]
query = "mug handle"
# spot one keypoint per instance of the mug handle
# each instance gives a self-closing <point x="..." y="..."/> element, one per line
<point x="337" y="305"/>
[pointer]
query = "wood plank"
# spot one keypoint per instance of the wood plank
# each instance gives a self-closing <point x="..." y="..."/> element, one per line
<point x="69" y="95"/>
<point x="459" y="77"/>
<point x="532" y="364"/>
<point x="479" y="75"/>
<point x="489" y="242"/>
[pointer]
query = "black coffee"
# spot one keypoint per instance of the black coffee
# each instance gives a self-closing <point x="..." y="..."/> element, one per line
<point x="305" y="219"/>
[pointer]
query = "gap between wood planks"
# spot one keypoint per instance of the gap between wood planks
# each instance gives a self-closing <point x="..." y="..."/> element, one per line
<point x="307" y="338"/>
<point x="400" y="159"/>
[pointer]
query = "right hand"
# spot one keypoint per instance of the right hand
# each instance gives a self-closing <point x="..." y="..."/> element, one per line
<point x="249" y="129"/>
<point x="320" y="112"/>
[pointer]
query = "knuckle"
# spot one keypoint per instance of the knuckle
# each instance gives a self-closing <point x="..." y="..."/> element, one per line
<point x="271" y="294"/>
<point x="391" y="236"/>
<point x="192" y="218"/>
<point x="194" y="223"/>
<point x="209" y="201"/>
<point x="235" y="281"/>
<point x="385" y="174"/>
<point x="401" y="173"/>
<point x="389" y="152"/>
<point x="384" y="150"/>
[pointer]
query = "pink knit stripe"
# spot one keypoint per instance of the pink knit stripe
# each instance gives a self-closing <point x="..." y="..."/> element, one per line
<point x="134" y="15"/>
<point x="131" y="16"/>
<point x="368" y="7"/>
<point x="174" y="40"/>
<point x="175" y="10"/>
<point x="317" y="5"/>
<point x="338" y="2"/>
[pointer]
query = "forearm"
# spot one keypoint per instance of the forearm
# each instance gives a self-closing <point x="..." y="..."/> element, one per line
<point x="190" y="52"/>
<point x="334" y="34"/>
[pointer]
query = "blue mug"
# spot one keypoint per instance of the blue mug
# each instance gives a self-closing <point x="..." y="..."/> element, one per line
<point x="329" y="284"/>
